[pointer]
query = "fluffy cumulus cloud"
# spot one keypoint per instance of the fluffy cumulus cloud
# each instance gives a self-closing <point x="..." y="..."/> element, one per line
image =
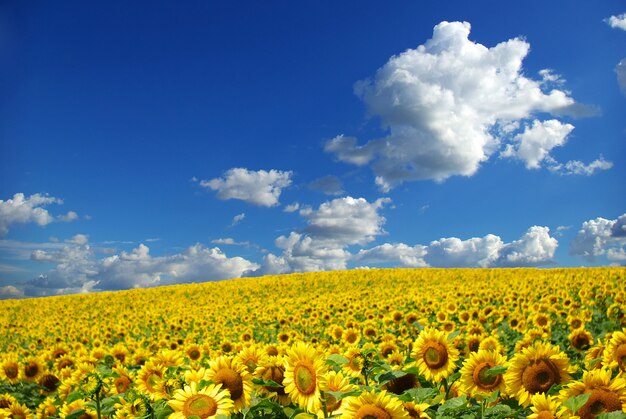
<point x="618" y="22"/>
<point x="534" y="144"/>
<point x="78" y="269"/>
<point x="329" y="231"/>
<point x="396" y="253"/>
<point x="450" y="104"/>
<point x="22" y="209"/>
<point x="261" y="188"/>
<point x="535" y="248"/>
<point x="601" y="237"/>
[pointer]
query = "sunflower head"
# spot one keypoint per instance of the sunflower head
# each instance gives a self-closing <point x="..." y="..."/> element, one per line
<point x="434" y="355"/>
<point x="476" y="379"/>
<point x="210" y="401"/>
<point x="234" y="376"/>
<point x="304" y="375"/>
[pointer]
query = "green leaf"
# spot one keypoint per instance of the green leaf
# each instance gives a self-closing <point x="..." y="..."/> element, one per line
<point x="74" y="396"/>
<point x="452" y="404"/>
<point x="576" y="402"/>
<point x="266" y="383"/>
<point x="492" y="397"/>
<point x="337" y="359"/>
<point x="75" y="414"/>
<point x="388" y="376"/>
<point x="497" y="370"/>
<point x="454" y="334"/>
<point x="339" y="395"/>
<point x="499" y="411"/>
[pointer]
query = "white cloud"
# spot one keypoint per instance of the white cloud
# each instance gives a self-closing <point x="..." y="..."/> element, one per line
<point x="620" y="69"/>
<point x="576" y="167"/>
<point x="259" y="188"/>
<point x="70" y="216"/>
<point x="454" y="252"/>
<point x="22" y="209"/>
<point x="617" y="22"/>
<point x="78" y="270"/>
<point x="330" y="229"/>
<point x="448" y="104"/>
<point x="292" y="207"/>
<point x="237" y="219"/>
<point x="404" y="255"/>
<point x="600" y="237"/>
<point x="535" y="143"/>
<point x="534" y="248"/>
<point x="10" y="291"/>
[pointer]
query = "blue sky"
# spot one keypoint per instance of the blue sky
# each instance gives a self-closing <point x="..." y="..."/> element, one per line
<point x="144" y="144"/>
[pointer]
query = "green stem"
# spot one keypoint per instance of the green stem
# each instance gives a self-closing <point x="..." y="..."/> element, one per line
<point x="98" y="404"/>
<point x="324" y="407"/>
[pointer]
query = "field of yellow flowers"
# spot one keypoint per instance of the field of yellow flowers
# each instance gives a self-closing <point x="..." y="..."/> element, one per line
<point x="380" y="343"/>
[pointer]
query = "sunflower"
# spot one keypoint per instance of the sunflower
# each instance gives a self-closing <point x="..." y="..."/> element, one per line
<point x="122" y="380"/>
<point x="74" y="407"/>
<point x="615" y="351"/>
<point x="211" y="401"/>
<point x="355" y="363"/>
<point x="475" y="381"/>
<point x="273" y="368"/>
<point x="374" y="405"/>
<point x="129" y="407"/>
<point x="535" y="369"/>
<point x="544" y="407"/>
<point x="46" y="409"/>
<point x="350" y="336"/>
<point x="32" y="369"/>
<point x="434" y="355"/>
<point x="49" y="382"/>
<point x="303" y="376"/>
<point x="491" y="343"/>
<point x="334" y="381"/>
<point x="417" y="410"/>
<point x="593" y="356"/>
<point x="17" y="411"/>
<point x="6" y="400"/>
<point x="251" y="356"/>
<point x="401" y="384"/>
<point x="10" y="369"/>
<point x="193" y="352"/>
<point x="580" y="339"/>
<point x="148" y="377"/>
<point x="233" y="376"/>
<point x="606" y="394"/>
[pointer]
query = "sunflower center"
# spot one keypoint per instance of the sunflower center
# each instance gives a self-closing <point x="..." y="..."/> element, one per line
<point x="435" y="355"/>
<point x="600" y="401"/>
<point x="401" y="384"/>
<point x="194" y="354"/>
<point x="304" y="378"/>
<point x="122" y="384"/>
<point x="200" y="405"/>
<point x="483" y="380"/>
<point x="581" y="342"/>
<point x="539" y="376"/>
<point x="11" y="371"/>
<point x="231" y="380"/>
<point x="369" y="411"/>
<point x="31" y="369"/>
<point x="49" y="382"/>
<point x="151" y="381"/>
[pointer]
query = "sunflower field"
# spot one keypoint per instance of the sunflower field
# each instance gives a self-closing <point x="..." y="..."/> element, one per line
<point x="370" y="343"/>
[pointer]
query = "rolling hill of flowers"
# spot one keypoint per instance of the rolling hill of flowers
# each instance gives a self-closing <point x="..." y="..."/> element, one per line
<point x="379" y="343"/>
